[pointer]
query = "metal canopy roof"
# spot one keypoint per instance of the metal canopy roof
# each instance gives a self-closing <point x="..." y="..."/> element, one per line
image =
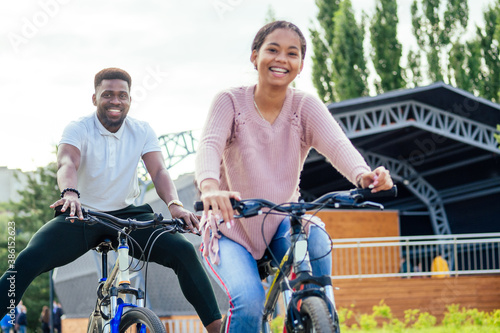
<point x="437" y="141"/>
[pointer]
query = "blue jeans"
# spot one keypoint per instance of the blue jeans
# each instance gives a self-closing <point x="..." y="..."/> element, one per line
<point x="238" y="276"/>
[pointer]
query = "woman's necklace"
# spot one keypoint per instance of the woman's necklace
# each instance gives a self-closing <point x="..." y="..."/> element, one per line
<point x="260" y="113"/>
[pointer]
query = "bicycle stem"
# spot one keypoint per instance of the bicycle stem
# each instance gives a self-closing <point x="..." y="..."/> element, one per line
<point x="301" y="261"/>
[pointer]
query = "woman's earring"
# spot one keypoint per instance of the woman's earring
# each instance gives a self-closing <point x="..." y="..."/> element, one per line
<point x="255" y="65"/>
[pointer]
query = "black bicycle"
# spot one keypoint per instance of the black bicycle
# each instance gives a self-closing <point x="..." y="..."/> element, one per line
<point x="308" y="299"/>
<point x="114" y="312"/>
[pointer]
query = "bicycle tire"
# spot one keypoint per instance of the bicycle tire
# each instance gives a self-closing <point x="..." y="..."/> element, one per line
<point x="316" y="317"/>
<point x="141" y="316"/>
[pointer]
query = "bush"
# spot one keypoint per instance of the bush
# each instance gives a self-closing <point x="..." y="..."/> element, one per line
<point x="455" y="320"/>
<point x="381" y="320"/>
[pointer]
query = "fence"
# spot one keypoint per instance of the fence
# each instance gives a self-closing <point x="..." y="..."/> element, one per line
<point x="185" y="325"/>
<point x="416" y="256"/>
<point x="465" y="254"/>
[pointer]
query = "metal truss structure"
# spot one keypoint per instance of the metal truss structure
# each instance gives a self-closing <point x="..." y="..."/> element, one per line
<point x="175" y="148"/>
<point x="404" y="173"/>
<point x="368" y="121"/>
<point x="398" y="115"/>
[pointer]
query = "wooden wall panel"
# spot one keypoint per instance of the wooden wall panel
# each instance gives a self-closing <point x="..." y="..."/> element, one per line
<point x="357" y="224"/>
<point x="428" y="295"/>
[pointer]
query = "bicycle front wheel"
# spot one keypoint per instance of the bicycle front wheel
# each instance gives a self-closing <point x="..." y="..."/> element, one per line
<point x="138" y="320"/>
<point x="316" y="317"/>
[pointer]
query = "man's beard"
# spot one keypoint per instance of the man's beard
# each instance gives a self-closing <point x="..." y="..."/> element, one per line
<point x="109" y="123"/>
<point x="112" y="123"/>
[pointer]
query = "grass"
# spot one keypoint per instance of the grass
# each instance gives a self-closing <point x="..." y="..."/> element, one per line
<point x="381" y="320"/>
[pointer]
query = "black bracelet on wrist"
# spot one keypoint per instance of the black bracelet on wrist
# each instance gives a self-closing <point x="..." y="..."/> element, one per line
<point x="69" y="189"/>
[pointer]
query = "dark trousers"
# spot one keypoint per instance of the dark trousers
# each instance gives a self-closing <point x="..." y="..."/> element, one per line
<point x="60" y="242"/>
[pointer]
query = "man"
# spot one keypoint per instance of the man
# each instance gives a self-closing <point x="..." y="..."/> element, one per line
<point x="97" y="169"/>
<point x="56" y="318"/>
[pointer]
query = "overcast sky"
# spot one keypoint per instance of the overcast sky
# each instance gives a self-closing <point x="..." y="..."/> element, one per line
<point x="180" y="53"/>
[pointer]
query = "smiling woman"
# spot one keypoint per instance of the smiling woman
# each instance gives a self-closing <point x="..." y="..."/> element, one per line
<point x="278" y="53"/>
<point x="254" y="143"/>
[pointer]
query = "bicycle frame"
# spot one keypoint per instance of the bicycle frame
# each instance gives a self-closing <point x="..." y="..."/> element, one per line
<point x="108" y="315"/>
<point x="309" y="300"/>
<point x="110" y="305"/>
<point x="297" y="257"/>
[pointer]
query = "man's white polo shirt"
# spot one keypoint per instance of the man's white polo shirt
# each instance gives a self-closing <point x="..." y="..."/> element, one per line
<point x="107" y="176"/>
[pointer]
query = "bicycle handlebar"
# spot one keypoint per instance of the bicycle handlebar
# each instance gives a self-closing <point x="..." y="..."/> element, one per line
<point x="339" y="199"/>
<point x="92" y="217"/>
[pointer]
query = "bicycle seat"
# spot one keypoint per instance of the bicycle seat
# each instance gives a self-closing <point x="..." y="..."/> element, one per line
<point x="104" y="247"/>
<point x="265" y="265"/>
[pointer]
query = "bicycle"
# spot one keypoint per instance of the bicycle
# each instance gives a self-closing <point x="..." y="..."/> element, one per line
<point x="112" y="314"/>
<point x="311" y="308"/>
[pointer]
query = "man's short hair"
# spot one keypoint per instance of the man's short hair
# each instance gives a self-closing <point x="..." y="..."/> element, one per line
<point x="112" y="74"/>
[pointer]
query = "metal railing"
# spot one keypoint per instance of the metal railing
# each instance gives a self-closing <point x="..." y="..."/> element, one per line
<point x="384" y="256"/>
<point x="416" y="256"/>
<point x="184" y="325"/>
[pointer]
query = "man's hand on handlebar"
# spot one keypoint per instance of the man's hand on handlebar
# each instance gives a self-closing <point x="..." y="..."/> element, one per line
<point x="189" y="218"/>
<point x="71" y="201"/>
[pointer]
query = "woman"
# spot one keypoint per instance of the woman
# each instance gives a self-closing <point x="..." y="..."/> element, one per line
<point x="45" y="319"/>
<point x="254" y="145"/>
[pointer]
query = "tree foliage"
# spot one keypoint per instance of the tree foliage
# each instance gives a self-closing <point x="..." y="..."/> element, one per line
<point x="322" y="38"/>
<point x="436" y="26"/>
<point x="348" y="60"/>
<point x="339" y="66"/>
<point x="270" y="15"/>
<point x="475" y="64"/>
<point x="387" y="50"/>
<point x="29" y="214"/>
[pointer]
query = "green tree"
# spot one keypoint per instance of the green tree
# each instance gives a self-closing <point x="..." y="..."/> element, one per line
<point x="413" y="73"/>
<point x="270" y="15"/>
<point x="465" y="66"/>
<point x="437" y="25"/>
<point x="322" y="38"/>
<point x="488" y="39"/>
<point x="386" y="49"/>
<point x="348" y="60"/>
<point x="475" y="64"/>
<point x="29" y="214"/>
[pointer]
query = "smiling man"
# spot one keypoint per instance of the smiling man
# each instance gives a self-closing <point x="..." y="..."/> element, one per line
<point x="97" y="162"/>
<point x="112" y="101"/>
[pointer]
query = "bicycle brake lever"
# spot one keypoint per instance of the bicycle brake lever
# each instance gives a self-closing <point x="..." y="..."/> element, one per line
<point x="249" y="209"/>
<point x="371" y="204"/>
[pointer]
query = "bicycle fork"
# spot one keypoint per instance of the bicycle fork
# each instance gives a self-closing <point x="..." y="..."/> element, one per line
<point x="113" y="313"/>
<point x="302" y="268"/>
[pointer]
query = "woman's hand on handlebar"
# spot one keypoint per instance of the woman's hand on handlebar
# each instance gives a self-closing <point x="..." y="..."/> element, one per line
<point x="218" y="200"/>
<point x="71" y="201"/>
<point x="378" y="180"/>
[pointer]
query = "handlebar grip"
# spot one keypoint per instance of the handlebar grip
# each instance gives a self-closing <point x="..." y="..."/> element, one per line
<point x="366" y="193"/>
<point x="198" y="205"/>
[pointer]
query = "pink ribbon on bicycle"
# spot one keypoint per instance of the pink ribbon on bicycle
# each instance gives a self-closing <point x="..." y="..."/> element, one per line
<point x="211" y="235"/>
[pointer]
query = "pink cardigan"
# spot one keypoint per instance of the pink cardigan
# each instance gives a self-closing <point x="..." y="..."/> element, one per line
<point x="247" y="154"/>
